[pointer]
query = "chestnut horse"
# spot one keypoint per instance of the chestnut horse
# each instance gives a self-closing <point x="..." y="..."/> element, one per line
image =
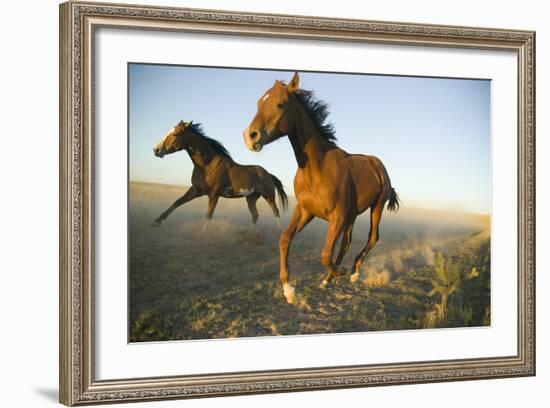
<point x="330" y="183"/>
<point x="216" y="174"/>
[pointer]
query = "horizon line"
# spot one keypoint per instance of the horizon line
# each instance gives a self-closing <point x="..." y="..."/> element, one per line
<point x="292" y="196"/>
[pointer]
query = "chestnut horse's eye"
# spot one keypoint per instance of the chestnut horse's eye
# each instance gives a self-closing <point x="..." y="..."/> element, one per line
<point x="281" y="106"/>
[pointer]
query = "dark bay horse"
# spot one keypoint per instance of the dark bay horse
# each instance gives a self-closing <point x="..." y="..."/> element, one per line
<point x="330" y="183"/>
<point x="216" y="174"/>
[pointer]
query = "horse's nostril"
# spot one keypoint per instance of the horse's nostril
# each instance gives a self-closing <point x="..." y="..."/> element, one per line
<point x="253" y="135"/>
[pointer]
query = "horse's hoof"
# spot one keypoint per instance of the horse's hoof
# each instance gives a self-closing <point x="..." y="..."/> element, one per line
<point x="354" y="277"/>
<point x="155" y="223"/>
<point x="323" y="284"/>
<point x="290" y="293"/>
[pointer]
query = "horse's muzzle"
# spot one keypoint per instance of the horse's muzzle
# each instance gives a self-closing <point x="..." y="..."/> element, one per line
<point x="158" y="152"/>
<point x="251" y="140"/>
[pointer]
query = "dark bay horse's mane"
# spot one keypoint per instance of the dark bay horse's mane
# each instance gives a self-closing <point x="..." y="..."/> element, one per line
<point x="317" y="110"/>
<point x="218" y="147"/>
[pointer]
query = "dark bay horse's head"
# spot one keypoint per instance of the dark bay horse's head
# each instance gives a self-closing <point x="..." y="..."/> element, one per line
<point x="272" y="119"/>
<point x="174" y="141"/>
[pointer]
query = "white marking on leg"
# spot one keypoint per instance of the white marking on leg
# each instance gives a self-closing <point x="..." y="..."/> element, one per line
<point x="289" y="292"/>
<point x="354" y="277"/>
<point x="323" y="284"/>
<point x="204" y="225"/>
<point x="278" y="222"/>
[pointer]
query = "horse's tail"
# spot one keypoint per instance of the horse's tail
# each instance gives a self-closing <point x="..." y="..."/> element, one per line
<point x="283" y="198"/>
<point x="393" y="203"/>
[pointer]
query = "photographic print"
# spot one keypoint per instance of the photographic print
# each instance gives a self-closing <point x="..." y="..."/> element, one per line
<point x="269" y="202"/>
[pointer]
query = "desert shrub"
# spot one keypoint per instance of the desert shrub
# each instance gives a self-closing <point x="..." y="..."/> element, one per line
<point x="447" y="279"/>
<point x="456" y="315"/>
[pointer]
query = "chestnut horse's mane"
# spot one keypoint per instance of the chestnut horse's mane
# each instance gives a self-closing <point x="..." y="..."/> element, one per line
<point x="218" y="147"/>
<point x="317" y="110"/>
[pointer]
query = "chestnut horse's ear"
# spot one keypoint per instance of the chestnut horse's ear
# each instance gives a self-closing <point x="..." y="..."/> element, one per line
<point x="189" y="124"/>
<point x="294" y="83"/>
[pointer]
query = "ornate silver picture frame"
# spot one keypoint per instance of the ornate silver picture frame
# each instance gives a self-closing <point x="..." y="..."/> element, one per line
<point x="79" y="23"/>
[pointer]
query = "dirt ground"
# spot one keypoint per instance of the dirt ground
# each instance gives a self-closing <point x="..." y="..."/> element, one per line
<point x="222" y="283"/>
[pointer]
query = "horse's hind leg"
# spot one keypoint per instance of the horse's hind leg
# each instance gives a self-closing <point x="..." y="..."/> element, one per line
<point x="188" y="196"/>
<point x="274" y="208"/>
<point x="375" y="217"/>
<point x="251" y="201"/>
<point x="346" y="243"/>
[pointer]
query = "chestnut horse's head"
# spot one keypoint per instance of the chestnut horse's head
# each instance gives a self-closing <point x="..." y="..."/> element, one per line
<point x="175" y="140"/>
<point x="272" y="118"/>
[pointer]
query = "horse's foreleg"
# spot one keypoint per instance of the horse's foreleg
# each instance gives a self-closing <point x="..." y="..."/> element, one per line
<point x="335" y="227"/>
<point x="300" y="218"/>
<point x="212" y="202"/>
<point x="375" y="217"/>
<point x="188" y="196"/>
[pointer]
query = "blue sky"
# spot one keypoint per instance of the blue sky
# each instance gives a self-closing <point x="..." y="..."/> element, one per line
<point x="432" y="134"/>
